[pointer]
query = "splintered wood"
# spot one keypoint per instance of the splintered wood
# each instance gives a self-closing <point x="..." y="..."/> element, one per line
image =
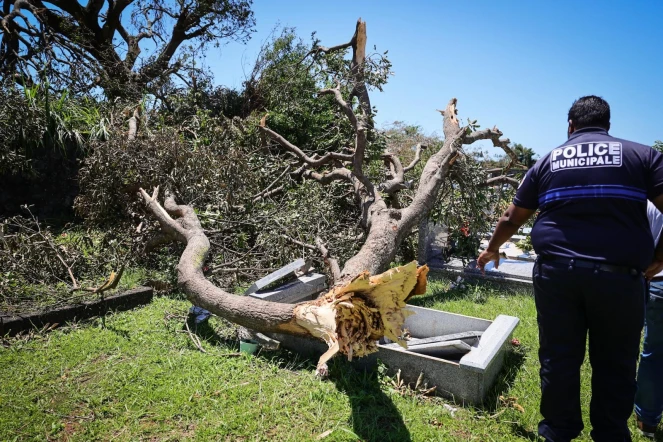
<point x="353" y="317"/>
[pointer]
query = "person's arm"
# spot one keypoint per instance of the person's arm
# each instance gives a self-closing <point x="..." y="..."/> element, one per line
<point x="655" y="195"/>
<point x="657" y="263"/>
<point x="507" y="226"/>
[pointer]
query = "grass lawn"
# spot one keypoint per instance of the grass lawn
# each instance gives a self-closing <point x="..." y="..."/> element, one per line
<point x="141" y="378"/>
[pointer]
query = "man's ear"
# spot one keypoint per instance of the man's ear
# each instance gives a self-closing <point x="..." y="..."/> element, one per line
<point x="572" y="128"/>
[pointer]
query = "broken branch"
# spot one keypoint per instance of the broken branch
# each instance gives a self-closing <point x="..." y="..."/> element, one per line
<point x="350" y="318"/>
<point x="495" y="135"/>
<point x="417" y="157"/>
<point x="296" y="151"/>
<point x="331" y="262"/>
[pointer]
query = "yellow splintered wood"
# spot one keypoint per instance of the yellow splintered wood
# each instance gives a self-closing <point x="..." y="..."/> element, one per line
<point x="352" y="318"/>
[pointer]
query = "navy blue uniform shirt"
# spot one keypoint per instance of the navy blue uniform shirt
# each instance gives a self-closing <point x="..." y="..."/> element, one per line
<point x="592" y="195"/>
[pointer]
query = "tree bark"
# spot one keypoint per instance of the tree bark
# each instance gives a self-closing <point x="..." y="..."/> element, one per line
<point x="350" y="318"/>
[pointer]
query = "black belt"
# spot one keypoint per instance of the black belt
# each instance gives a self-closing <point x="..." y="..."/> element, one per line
<point x="586" y="264"/>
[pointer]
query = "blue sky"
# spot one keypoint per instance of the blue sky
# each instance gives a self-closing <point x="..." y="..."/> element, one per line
<point x="515" y="64"/>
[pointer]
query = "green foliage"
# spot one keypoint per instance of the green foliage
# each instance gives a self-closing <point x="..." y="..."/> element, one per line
<point x="34" y="118"/>
<point x="37" y="260"/>
<point x="43" y="137"/>
<point x="525" y="155"/>
<point x="526" y="244"/>
<point x="284" y="84"/>
<point x="207" y="171"/>
<point x="464" y="205"/>
<point x="658" y="145"/>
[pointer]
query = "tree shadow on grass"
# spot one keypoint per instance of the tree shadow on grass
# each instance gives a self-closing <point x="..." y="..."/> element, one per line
<point x="374" y="415"/>
<point x="514" y="359"/>
<point x="522" y="432"/>
<point x="120" y="332"/>
<point x="206" y="332"/>
<point x="282" y="358"/>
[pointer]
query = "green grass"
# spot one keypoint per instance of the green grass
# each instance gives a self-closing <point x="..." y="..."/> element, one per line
<point x="141" y="378"/>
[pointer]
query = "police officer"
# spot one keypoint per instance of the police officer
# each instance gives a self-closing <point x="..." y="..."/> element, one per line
<point x="594" y="244"/>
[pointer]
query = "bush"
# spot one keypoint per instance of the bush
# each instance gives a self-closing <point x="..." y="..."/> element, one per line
<point x="43" y="138"/>
<point x="219" y="171"/>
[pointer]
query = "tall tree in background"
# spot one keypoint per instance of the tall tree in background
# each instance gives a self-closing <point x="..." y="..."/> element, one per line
<point x="658" y="145"/>
<point x="525" y="155"/>
<point x="126" y="46"/>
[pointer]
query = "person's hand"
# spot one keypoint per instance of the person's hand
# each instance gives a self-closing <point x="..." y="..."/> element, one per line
<point x="487" y="256"/>
<point x="654" y="269"/>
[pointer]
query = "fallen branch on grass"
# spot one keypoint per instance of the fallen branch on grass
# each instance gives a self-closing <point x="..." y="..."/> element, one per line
<point x="350" y="318"/>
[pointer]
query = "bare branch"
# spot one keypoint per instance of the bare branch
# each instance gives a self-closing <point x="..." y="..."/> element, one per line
<point x="317" y="162"/>
<point x="361" y="91"/>
<point x="437" y="167"/>
<point x="133" y="125"/>
<point x="397" y="181"/>
<point x="262" y="193"/>
<point x="417" y="157"/>
<point x="326" y="50"/>
<point x="365" y="192"/>
<point x="494" y="135"/>
<point x="269" y="193"/>
<point x="503" y="179"/>
<point x="395" y="163"/>
<point x="299" y="243"/>
<point x="331" y="262"/>
<point x="16" y="12"/>
<point x="342" y="103"/>
<point x="168" y="225"/>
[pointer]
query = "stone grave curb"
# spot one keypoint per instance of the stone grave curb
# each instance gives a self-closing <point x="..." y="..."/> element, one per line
<point x="500" y="279"/>
<point x="12" y="324"/>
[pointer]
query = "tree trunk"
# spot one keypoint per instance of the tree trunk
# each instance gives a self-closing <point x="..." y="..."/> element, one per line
<point x="360" y="308"/>
<point x="350" y="318"/>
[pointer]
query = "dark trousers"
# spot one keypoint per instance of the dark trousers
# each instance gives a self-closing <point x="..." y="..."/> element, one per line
<point x="572" y="303"/>
<point x="649" y="398"/>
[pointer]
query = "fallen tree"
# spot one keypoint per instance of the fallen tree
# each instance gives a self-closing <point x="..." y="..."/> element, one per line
<point x="360" y="308"/>
<point x="350" y="318"/>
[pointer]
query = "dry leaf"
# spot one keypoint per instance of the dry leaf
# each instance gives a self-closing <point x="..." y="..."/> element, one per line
<point x="323" y="435"/>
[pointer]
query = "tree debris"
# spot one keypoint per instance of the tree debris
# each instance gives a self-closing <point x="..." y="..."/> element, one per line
<point x="350" y="318"/>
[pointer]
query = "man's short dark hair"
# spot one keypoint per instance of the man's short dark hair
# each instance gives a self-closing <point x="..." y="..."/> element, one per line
<point x="590" y="111"/>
